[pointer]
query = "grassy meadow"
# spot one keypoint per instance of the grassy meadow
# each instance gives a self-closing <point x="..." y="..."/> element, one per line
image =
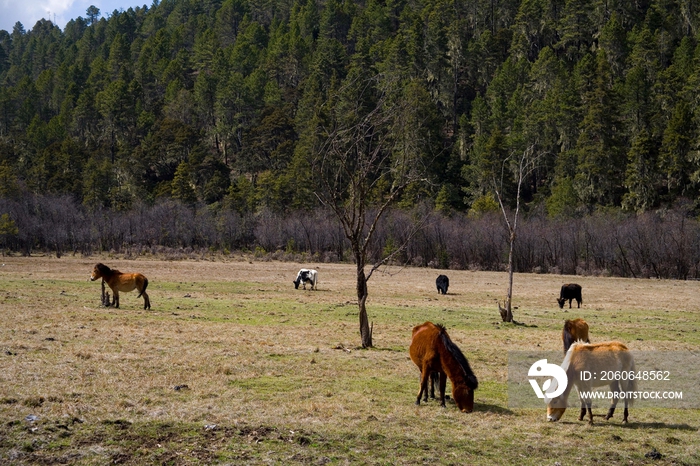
<point x="232" y="365"/>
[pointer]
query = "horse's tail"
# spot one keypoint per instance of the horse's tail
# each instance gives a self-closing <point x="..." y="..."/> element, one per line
<point x="456" y="353"/>
<point x="145" y="285"/>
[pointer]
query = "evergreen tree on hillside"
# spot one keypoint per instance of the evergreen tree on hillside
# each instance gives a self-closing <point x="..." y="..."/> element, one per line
<point x="595" y="85"/>
<point x="600" y="160"/>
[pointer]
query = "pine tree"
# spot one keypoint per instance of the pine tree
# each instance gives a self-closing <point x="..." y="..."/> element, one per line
<point x="601" y="163"/>
<point x="181" y="185"/>
<point x="640" y="179"/>
<point x="674" y="158"/>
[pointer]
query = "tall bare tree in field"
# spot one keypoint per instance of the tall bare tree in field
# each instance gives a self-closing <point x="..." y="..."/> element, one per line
<point x="370" y="148"/>
<point x="521" y="167"/>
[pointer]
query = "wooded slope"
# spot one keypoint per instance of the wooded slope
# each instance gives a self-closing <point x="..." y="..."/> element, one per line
<point x="218" y="102"/>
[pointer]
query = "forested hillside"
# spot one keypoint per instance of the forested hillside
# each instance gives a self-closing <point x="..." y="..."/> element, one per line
<point x="218" y="103"/>
<point x="210" y="100"/>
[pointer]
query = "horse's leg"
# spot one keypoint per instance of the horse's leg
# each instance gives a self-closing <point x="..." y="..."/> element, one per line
<point x="424" y="374"/>
<point x="434" y="380"/>
<point x="583" y="411"/>
<point x="628" y="387"/>
<point x="420" y="384"/>
<point x="425" y="392"/>
<point x="146" y="301"/>
<point x="613" y="403"/>
<point x="423" y="388"/>
<point x="431" y="380"/>
<point x="432" y="389"/>
<point x="115" y="296"/>
<point x="589" y="403"/>
<point x="443" y="384"/>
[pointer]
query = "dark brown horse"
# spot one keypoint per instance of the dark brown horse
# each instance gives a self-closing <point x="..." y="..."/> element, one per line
<point x="574" y="330"/>
<point x="118" y="281"/>
<point x="432" y="350"/>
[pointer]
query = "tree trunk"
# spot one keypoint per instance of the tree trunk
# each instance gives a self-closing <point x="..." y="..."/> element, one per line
<point x="509" y="311"/>
<point x="106" y="302"/>
<point x="365" y="331"/>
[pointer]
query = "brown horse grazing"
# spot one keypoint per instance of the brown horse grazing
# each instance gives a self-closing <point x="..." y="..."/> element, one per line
<point x="118" y="281"/>
<point x="574" y="330"/>
<point x="432" y="350"/>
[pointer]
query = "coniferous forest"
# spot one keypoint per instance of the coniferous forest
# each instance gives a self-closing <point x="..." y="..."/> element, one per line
<point x="192" y="124"/>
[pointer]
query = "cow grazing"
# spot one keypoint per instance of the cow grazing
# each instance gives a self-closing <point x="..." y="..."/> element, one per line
<point x="585" y="359"/>
<point x="442" y="283"/>
<point x="305" y="276"/>
<point x="574" y="330"/>
<point x="570" y="291"/>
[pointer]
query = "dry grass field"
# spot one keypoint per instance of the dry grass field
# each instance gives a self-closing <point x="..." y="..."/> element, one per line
<point x="232" y="365"/>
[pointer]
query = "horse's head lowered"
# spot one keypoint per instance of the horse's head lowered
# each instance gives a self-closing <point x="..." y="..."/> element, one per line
<point x="464" y="398"/>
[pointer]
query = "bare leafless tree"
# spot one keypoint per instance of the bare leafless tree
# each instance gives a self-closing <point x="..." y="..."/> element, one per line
<point x="360" y="173"/>
<point x="522" y="167"/>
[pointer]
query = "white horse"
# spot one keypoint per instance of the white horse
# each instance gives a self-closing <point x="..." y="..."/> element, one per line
<point x="594" y="365"/>
<point x="306" y="276"/>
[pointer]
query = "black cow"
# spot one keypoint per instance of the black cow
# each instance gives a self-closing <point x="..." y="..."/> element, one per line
<point x="570" y="291"/>
<point x="442" y="283"/>
<point x="574" y="330"/>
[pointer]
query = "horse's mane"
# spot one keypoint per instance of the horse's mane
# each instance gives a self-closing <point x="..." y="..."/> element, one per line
<point x="106" y="271"/>
<point x="456" y="353"/>
<point x="569" y="353"/>
<point x="567" y="337"/>
<point x="564" y="365"/>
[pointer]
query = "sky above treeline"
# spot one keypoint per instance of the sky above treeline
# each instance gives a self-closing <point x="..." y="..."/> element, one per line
<point x="28" y="12"/>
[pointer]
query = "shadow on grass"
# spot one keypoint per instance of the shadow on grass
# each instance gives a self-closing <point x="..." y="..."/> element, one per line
<point x="633" y="424"/>
<point x="522" y="324"/>
<point x="395" y="349"/>
<point x="481" y="407"/>
<point x="660" y="425"/>
<point x="489" y="408"/>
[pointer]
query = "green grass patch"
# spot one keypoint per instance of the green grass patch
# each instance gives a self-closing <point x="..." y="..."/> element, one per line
<point x="234" y="366"/>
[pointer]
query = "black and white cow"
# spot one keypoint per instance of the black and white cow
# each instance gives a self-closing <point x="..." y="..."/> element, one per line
<point x="442" y="283"/>
<point x="306" y="276"/>
<point x="570" y="291"/>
